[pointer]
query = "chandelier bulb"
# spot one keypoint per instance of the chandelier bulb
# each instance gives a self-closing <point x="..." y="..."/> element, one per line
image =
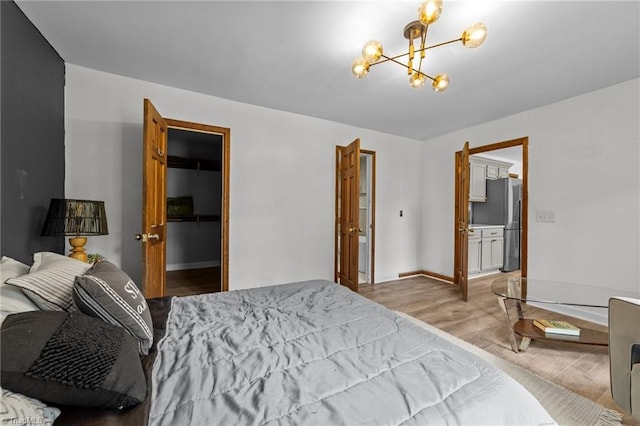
<point x="372" y="51"/>
<point x="440" y="82"/>
<point x="416" y="80"/>
<point x="429" y="11"/>
<point x="360" y="68"/>
<point x="474" y="36"/>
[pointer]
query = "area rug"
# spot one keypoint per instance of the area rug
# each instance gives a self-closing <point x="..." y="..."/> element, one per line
<point x="566" y="407"/>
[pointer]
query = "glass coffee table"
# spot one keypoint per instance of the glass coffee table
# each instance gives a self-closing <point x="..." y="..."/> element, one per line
<point x="518" y="290"/>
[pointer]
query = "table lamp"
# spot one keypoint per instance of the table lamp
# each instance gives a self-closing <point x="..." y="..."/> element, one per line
<point x="76" y="219"/>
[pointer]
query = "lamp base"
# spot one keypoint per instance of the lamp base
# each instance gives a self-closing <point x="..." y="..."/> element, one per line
<point x="78" y="252"/>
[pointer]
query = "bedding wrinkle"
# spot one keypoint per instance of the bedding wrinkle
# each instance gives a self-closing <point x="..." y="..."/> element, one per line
<point x="264" y="371"/>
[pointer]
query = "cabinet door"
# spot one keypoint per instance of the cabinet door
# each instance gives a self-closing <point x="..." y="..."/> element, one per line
<point x="497" y="250"/>
<point x="492" y="249"/>
<point x="492" y="171"/>
<point x="503" y="172"/>
<point x="477" y="182"/>
<point x="474" y="255"/>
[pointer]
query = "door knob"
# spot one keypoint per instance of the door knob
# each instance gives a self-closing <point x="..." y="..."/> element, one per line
<point x="146" y="237"/>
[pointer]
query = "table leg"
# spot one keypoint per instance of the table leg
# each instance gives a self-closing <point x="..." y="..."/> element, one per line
<point x="512" y="336"/>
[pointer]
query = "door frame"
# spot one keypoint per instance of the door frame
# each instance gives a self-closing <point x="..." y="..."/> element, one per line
<point x="371" y="192"/>
<point x="524" y="143"/>
<point x="372" y="229"/>
<point x="225" y="163"/>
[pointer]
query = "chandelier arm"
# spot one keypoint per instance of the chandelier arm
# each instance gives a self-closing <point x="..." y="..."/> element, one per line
<point x="441" y="44"/>
<point x="405" y="66"/>
<point x="392" y="58"/>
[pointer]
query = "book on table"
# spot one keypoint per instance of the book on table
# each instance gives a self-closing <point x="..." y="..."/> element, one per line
<point x="557" y="327"/>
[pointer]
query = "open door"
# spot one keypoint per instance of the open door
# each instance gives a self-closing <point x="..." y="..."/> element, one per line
<point x="348" y="182"/>
<point x="154" y="213"/>
<point x="461" y="264"/>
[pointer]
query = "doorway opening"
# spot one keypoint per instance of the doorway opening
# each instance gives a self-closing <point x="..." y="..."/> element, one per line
<point x="468" y="250"/>
<point x="197" y="208"/>
<point x="194" y="204"/>
<point x="366" y="217"/>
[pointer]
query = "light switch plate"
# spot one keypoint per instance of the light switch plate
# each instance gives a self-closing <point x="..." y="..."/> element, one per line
<point x="545" y="216"/>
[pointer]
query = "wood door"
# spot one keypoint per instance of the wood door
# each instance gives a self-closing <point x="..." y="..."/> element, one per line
<point x="349" y="182"/>
<point x="461" y="263"/>
<point x="154" y="206"/>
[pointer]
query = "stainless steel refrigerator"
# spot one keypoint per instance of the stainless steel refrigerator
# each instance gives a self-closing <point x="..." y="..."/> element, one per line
<point x="503" y="207"/>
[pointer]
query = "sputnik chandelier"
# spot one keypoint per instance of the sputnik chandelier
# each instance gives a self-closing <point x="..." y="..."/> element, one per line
<point x="428" y="13"/>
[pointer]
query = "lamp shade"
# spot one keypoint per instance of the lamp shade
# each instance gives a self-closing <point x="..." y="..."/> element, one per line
<point x="76" y="218"/>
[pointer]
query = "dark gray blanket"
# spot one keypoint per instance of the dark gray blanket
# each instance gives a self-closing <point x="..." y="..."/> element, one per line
<point x="315" y="353"/>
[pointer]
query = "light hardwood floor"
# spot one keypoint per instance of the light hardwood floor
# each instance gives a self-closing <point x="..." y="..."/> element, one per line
<point x="584" y="369"/>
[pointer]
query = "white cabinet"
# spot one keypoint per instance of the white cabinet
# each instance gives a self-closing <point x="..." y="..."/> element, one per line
<point x="477" y="181"/>
<point x="492" y="253"/>
<point x="474" y="251"/>
<point x="485" y="249"/>
<point x="481" y="169"/>
<point x="493" y="171"/>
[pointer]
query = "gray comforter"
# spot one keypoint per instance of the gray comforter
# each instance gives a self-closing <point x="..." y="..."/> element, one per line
<point x="315" y="353"/>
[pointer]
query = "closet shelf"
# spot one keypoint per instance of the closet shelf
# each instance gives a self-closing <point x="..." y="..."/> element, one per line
<point x="192" y="163"/>
<point x="193" y="218"/>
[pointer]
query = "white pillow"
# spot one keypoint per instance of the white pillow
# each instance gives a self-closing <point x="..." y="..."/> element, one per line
<point x="49" y="283"/>
<point x="11" y="268"/>
<point x="17" y="409"/>
<point x="12" y="299"/>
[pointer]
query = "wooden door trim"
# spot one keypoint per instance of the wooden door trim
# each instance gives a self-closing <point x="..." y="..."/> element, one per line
<point x="336" y="216"/>
<point x="456" y="210"/>
<point x="524" y="143"/>
<point x="372" y="229"/>
<point x="226" y="162"/>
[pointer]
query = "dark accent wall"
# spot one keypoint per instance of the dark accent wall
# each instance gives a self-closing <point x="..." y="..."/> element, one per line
<point x="31" y="135"/>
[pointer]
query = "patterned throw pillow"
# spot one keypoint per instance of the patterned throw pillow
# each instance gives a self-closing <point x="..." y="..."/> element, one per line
<point x="70" y="359"/>
<point x="49" y="283"/>
<point x="106" y="292"/>
<point x="17" y="409"/>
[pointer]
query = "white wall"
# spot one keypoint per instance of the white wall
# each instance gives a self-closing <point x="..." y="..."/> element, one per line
<point x="282" y="179"/>
<point x="584" y="165"/>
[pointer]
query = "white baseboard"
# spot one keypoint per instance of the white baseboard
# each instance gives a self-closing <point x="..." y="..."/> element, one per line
<point x="195" y="265"/>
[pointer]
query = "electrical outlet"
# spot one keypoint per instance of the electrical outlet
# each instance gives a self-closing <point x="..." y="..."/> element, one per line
<point x="545" y="216"/>
<point x="401" y="213"/>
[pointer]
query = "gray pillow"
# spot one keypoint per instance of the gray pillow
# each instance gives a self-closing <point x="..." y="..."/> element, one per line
<point x="71" y="359"/>
<point x="106" y="292"/>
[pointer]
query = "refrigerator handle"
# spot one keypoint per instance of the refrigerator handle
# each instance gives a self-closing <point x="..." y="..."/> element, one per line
<point x="519" y="214"/>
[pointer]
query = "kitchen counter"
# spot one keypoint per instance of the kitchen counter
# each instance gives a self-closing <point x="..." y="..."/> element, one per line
<point x="482" y="226"/>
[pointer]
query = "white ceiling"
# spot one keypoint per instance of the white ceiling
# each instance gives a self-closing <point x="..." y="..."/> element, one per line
<point x="296" y="56"/>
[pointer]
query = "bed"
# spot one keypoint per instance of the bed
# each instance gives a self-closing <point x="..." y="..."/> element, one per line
<point x="311" y="353"/>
